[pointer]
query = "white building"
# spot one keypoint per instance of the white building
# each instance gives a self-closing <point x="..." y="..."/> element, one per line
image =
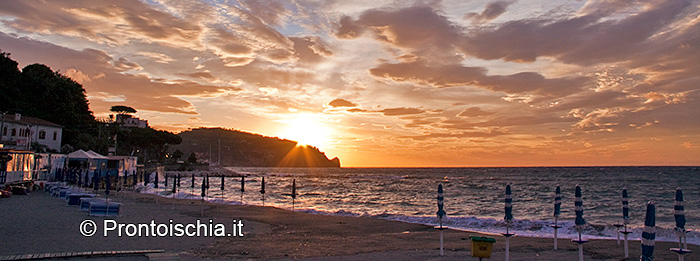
<point x="130" y="121"/>
<point x="19" y="132"/>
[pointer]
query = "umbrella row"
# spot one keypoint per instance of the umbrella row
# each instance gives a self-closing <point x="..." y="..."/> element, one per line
<point x="205" y="185"/>
<point x="648" y="233"/>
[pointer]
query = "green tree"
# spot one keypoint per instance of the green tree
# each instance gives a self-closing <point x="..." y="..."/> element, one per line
<point x="124" y="110"/>
<point x="177" y="155"/>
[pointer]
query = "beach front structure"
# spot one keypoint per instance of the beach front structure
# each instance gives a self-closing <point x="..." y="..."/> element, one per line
<point x="122" y="165"/>
<point x="19" y="166"/>
<point x="18" y="132"/>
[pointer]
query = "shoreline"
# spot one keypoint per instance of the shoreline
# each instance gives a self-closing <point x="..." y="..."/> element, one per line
<point x="273" y="233"/>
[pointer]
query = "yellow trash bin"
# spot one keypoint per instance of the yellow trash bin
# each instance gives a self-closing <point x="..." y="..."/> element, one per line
<point x="482" y="246"/>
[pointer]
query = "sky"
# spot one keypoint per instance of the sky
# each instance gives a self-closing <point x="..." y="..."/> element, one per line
<point x="392" y="83"/>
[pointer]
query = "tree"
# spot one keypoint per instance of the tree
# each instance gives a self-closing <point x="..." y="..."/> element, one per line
<point x="177" y="155"/>
<point x="123" y="110"/>
<point x="192" y="159"/>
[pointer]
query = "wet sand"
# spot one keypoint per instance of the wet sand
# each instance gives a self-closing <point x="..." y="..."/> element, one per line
<point x="39" y="223"/>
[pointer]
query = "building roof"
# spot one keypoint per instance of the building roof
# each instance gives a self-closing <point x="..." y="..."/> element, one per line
<point x="26" y="120"/>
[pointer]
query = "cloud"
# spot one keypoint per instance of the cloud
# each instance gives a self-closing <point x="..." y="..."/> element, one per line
<point x="582" y="40"/>
<point x="401" y="111"/>
<point x="473" y="112"/>
<point x="341" y="103"/>
<point x="457" y="75"/>
<point x="492" y="11"/>
<point x="100" y="21"/>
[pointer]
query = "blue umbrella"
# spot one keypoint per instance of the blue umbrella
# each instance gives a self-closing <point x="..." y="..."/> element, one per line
<point x="625" y="219"/>
<point x="262" y="190"/>
<point x="557" y="202"/>
<point x="557" y="212"/>
<point x="155" y="180"/>
<point x="649" y="233"/>
<point x="294" y="191"/>
<point x="508" y="219"/>
<point x="440" y="204"/>
<point x="440" y="213"/>
<point x="625" y="208"/>
<point x="578" y="203"/>
<point x="95" y="180"/>
<point x="509" y="206"/>
<point x="108" y="184"/>
<point x="679" y="211"/>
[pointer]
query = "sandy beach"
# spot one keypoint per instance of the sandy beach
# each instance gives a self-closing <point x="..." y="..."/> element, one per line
<point x="38" y="223"/>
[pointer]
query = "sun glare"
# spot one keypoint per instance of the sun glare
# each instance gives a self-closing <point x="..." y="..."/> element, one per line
<point x="306" y="129"/>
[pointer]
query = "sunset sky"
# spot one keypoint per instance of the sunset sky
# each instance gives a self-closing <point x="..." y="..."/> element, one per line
<point x="392" y="83"/>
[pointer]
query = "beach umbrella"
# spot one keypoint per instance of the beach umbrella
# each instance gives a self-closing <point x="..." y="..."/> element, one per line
<point x="222" y="186"/>
<point x="557" y="212"/>
<point x="625" y="219"/>
<point x="242" y="184"/>
<point x="165" y="181"/>
<point x="440" y="204"/>
<point x="146" y="179"/>
<point x="679" y="215"/>
<point x="578" y="203"/>
<point x="580" y="222"/>
<point x="207" y="181"/>
<point x="262" y="190"/>
<point x="679" y="211"/>
<point x="108" y="184"/>
<point x="204" y="193"/>
<point x="440" y="213"/>
<point x="192" y="185"/>
<point x="508" y="218"/>
<point x="155" y="180"/>
<point x="95" y="180"/>
<point x="294" y="191"/>
<point x="649" y="233"/>
<point x="175" y="181"/>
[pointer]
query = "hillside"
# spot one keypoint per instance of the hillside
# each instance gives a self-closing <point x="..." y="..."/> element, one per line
<point x="250" y="150"/>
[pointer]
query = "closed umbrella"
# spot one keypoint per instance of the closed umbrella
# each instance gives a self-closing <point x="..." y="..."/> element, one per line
<point x="242" y="187"/>
<point x="580" y="222"/>
<point x="440" y="213"/>
<point x="222" y="187"/>
<point x="679" y="215"/>
<point x="165" y="181"/>
<point x="294" y="191"/>
<point x="625" y="219"/>
<point x="508" y="218"/>
<point x="108" y="185"/>
<point x="95" y="180"/>
<point x="155" y="180"/>
<point x="262" y="190"/>
<point x="649" y="233"/>
<point x="204" y="193"/>
<point x="557" y="212"/>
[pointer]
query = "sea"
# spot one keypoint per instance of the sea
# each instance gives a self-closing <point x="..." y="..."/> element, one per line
<point x="474" y="197"/>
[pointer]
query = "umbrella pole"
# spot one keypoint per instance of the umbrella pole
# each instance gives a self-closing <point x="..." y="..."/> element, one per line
<point x="442" y="251"/>
<point x="627" y="251"/>
<point x="556" y="227"/>
<point x="507" y="242"/>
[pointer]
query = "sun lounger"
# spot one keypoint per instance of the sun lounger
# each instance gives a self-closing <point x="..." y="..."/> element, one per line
<point x="73" y="199"/>
<point x="104" y="209"/>
<point x="85" y="203"/>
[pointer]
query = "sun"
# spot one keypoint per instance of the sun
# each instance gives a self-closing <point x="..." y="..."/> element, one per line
<point x="306" y="129"/>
